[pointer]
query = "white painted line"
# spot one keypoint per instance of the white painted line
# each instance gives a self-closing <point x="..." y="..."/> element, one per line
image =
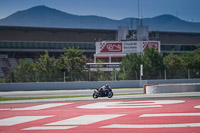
<point x="20" y="119"/>
<point x="111" y="105"/>
<point x="50" y="128"/>
<point x="154" y="102"/>
<point x="85" y="119"/>
<point x="197" y="106"/>
<point x="132" y="104"/>
<point x="152" y="125"/>
<point x="6" y="109"/>
<point x="170" y="114"/>
<point x="39" y="107"/>
<point x="43" y="106"/>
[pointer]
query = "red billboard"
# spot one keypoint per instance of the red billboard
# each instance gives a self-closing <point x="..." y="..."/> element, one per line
<point x="110" y="47"/>
<point x="150" y="45"/>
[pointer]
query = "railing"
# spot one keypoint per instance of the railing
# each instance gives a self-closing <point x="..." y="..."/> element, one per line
<point x="104" y="76"/>
<point x="45" y="45"/>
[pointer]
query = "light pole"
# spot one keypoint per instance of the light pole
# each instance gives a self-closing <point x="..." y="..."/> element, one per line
<point x="141" y="71"/>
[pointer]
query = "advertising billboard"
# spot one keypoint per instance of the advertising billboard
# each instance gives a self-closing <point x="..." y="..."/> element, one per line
<point x="131" y="47"/>
<point x="110" y="47"/>
<point x="148" y="44"/>
<point x="125" y="47"/>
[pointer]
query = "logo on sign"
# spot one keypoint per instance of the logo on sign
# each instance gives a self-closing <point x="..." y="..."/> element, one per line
<point x="111" y="47"/>
<point x="150" y="45"/>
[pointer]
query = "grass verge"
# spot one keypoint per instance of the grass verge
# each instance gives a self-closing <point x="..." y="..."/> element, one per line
<point x="51" y="97"/>
<point x="31" y="98"/>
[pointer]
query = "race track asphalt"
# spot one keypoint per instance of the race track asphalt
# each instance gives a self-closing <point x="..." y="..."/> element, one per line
<point x="118" y="97"/>
<point x="65" y="92"/>
<point x="171" y="115"/>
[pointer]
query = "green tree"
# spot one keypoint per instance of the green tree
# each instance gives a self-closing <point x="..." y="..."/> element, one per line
<point x="195" y="73"/>
<point x="72" y="62"/>
<point x="153" y="60"/>
<point x="188" y="59"/>
<point x="196" y="58"/>
<point x="173" y="62"/>
<point x="62" y="64"/>
<point x="191" y="59"/>
<point x="23" y="72"/>
<point x="46" y="68"/>
<point x="192" y="62"/>
<point x="153" y="64"/>
<point x="175" y="66"/>
<point x="130" y="66"/>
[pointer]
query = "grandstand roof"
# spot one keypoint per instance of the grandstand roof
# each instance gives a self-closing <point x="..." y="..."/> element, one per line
<point x="15" y="33"/>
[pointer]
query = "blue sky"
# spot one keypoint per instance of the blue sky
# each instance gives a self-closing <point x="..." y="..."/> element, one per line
<point x="115" y="9"/>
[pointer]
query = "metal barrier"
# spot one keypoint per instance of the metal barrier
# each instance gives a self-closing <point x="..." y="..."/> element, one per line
<point x="87" y="84"/>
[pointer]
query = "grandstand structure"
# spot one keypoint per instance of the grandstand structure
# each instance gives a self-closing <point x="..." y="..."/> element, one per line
<point x="29" y="42"/>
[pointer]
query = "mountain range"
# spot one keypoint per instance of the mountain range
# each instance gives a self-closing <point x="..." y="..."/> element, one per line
<point x="42" y="16"/>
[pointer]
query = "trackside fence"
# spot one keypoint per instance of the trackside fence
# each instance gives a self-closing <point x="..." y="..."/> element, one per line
<point x="87" y="75"/>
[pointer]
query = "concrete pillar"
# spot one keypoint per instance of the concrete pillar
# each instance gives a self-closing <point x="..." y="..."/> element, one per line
<point x="95" y="59"/>
<point x="109" y="59"/>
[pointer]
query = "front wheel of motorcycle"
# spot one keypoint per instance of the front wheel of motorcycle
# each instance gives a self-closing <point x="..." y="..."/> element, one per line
<point x="110" y="95"/>
<point x="95" y="96"/>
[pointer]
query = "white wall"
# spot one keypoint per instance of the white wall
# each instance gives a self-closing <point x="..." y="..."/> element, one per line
<point x="189" y="87"/>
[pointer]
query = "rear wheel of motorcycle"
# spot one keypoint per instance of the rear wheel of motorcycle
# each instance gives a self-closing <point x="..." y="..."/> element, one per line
<point x="95" y="96"/>
<point x="110" y="95"/>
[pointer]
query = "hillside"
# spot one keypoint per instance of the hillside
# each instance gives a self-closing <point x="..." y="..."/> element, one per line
<point x="42" y="16"/>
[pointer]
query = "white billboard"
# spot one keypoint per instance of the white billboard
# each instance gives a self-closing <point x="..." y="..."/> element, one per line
<point x="125" y="47"/>
<point x="131" y="47"/>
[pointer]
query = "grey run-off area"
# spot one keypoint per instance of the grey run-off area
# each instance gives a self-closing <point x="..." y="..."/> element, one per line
<point x="65" y="93"/>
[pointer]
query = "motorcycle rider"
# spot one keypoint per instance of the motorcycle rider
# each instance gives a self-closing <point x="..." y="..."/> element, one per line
<point x="106" y="89"/>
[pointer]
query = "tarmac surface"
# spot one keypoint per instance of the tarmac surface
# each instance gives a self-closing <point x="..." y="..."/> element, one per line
<point x="171" y="115"/>
<point x="65" y="92"/>
<point x="115" y="97"/>
<point x="141" y="113"/>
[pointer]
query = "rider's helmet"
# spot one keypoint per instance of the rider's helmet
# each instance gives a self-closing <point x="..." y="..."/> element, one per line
<point x="107" y="86"/>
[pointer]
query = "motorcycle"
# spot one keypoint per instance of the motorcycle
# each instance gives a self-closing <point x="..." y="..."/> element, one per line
<point x="102" y="93"/>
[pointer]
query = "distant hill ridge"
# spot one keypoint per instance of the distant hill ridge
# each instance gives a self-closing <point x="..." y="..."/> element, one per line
<point x="42" y="16"/>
